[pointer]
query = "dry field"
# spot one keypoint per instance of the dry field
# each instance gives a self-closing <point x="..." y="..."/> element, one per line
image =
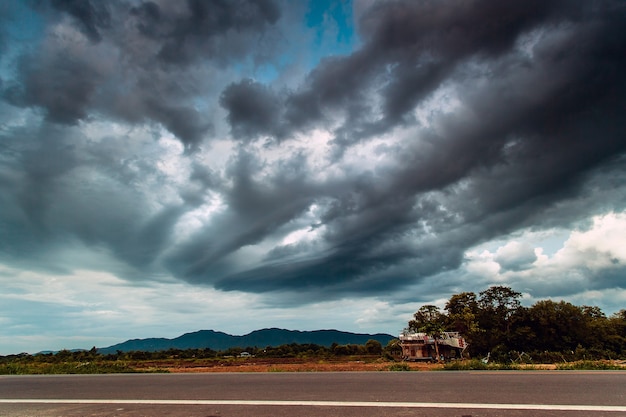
<point x="308" y="365"/>
<point x="278" y="365"/>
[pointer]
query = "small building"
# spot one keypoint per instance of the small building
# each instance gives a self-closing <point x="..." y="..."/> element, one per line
<point x="421" y="347"/>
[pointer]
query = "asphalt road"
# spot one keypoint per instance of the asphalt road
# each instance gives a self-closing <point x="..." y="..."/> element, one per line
<point x="461" y="394"/>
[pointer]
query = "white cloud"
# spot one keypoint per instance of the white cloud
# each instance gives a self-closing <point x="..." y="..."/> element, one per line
<point x="586" y="267"/>
<point x="482" y="263"/>
<point x="515" y="256"/>
<point x="603" y="245"/>
<point x="87" y="308"/>
<point x="92" y="307"/>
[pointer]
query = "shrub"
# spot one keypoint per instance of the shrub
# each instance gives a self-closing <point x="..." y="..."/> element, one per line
<point x="478" y="365"/>
<point x="588" y="365"/>
<point x="400" y="367"/>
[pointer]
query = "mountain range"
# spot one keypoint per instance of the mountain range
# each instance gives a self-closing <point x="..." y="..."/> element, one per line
<point x="261" y="338"/>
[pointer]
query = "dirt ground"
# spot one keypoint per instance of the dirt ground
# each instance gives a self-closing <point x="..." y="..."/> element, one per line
<point x="298" y="365"/>
<point x="280" y="365"/>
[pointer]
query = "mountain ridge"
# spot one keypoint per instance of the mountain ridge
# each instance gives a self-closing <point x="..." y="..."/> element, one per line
<point x="216" y="340"/>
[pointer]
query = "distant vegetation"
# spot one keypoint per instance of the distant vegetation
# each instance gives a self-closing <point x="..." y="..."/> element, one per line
<point x="501" y="334"/>
<point x="63" y="362"/>
<point x="495" y="323"/>
<point x="91" y="361"/>
<point x="479" y="365"/>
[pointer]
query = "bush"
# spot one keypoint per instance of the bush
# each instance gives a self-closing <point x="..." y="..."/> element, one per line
<point x="470" y="365"/>
<point x="399" y="367"/>
<point x="478" y="365"/>
<point x="588" y="365"/>
<point x="65" y="368"/>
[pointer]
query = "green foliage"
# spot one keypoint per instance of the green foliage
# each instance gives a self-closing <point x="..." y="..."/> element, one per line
<point x="588" y="365"/>
<point x="478" y="365"/>
<point x="373" y="347"/>
<point x="14" y="369"/>
<point x="91" y="362"/>
<point x="471" y="365"/>
<point x="393" y="349"/>
<point x="399" y="367"/>
<point x="428" y="319"/>
<point x="349" y="350"/>
<point x="495" y="322"/>
<point x="31" y="368"/>
<point x="462" y="315"/>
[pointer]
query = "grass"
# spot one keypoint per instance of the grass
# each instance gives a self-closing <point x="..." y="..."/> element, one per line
<point x="399" y="367"/>
<point x="35" y="368"/>
<point x="588" y="366"/>
<point x="478" y="365"/>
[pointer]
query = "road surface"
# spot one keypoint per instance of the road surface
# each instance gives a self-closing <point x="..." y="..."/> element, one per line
<point x="462" y="394"/>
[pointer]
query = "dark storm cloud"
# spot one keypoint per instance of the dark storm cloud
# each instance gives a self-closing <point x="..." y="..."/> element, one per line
<point x="63" y="87"/>
<point x="188" y="33"/>
<point x="336" y="86"/>
<point x="533" y="125"/>
<point x="90" y="16"/>
<point x="488" y="117"/>
<point x="124" y="71"/>
<point x="253" y="110"/>
<point x="27" y="179"/>
<point x="5" y="19"/>
<point x="410" y="49"/>
<point x="184" y="122"/>
<point x="256" y="210"/>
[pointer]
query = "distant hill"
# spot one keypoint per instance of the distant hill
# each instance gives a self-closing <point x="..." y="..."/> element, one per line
<point x="259" y="338"/>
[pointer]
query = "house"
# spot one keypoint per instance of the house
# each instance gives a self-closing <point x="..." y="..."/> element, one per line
<point x="421" y="347"/>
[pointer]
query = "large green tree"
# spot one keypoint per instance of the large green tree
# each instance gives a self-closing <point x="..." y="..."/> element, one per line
<point x="561" y="326"/>
<point x="496" y="322"/>
<point x="617" y="332"/>
<point x="497" y="306"/>
<point x="462" y="316"/>
<point x="430" y="320"/>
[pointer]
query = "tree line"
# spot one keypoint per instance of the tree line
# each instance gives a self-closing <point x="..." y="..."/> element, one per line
<point x="292" y="350"/>
<point x="494" y="322"/>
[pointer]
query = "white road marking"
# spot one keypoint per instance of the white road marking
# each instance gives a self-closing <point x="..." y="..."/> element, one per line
<point x="381" y="404"/>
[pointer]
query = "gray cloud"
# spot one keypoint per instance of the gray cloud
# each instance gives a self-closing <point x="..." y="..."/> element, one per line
<point x="516" y="256"/>
<point x="65" y="88"/>
<point x="253" y="110"/>
<point x="90" y="17"/>
<point x="532" y="125"/>
<point x="453" y="124"/>
<point x="413" y="48"/>
<point x="256" y="210"/>
<point x="201" y="29"/>
<point x="54" y="192"/>
<point x="141" y="62"/>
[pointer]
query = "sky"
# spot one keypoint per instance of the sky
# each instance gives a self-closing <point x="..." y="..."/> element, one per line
<point x="167" y="167"/>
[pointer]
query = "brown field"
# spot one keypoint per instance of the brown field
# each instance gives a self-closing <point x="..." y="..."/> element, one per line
<point x="276" y="365"/>
<point x="352" y="364"/>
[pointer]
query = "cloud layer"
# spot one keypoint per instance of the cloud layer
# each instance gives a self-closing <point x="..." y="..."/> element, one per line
<point x="205" y="143"/>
